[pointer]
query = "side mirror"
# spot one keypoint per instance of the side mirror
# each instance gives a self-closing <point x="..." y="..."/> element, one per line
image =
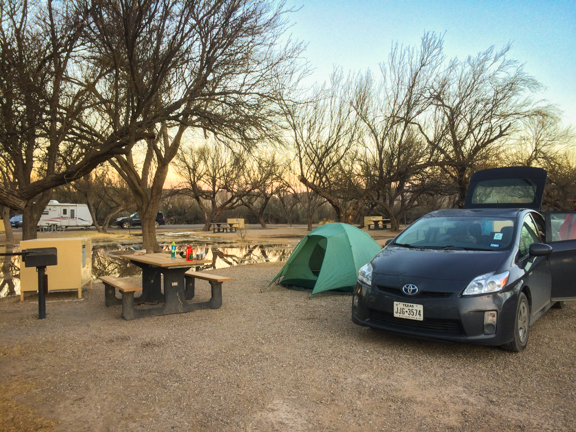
<point x="388" y="242"/>
<point x="540" y="249"/>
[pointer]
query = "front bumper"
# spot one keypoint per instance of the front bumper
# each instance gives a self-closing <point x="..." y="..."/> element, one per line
<point x="453" y="318"/>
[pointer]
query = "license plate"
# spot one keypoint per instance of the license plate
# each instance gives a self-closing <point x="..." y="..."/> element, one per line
<point x="408" y="311"/>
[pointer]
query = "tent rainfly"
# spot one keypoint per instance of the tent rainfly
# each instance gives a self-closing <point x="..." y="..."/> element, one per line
<point x="328" y="258"/>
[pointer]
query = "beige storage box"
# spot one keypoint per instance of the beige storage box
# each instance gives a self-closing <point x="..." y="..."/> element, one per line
<point x="369" y="219"/>
<point x="74" y="269"/>
<point x="238" y="223"/>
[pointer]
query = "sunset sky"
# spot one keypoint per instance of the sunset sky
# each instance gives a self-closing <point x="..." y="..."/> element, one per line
<point x="357" y="35"/>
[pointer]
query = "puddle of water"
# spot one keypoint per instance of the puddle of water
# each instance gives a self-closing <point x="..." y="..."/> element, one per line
<point x="106" y="262"/>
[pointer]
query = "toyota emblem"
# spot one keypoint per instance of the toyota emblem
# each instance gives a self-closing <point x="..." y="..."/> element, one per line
<point x="410" y="289"/>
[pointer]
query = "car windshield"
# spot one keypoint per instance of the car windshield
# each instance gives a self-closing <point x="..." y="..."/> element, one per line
<point x="134" y="215"/>
<point x="463" y="233"/>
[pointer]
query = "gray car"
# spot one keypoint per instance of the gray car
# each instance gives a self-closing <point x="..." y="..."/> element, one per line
<point x="482" y="274"/>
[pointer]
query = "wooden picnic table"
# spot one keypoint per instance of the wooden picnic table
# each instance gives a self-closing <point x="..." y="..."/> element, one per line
<point x="154" y="266"/>
<point x="223" y="227"/>
<point x="378" y="224"/>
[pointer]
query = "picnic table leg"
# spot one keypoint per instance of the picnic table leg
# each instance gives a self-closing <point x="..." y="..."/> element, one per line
<point x="128" y="311"/>
<point x="151" y="285"/>
<point x="216" y="300"/>
<point x="190" y="287"/>
<point x="110" y="296"/>
<point x="174" y="291"/>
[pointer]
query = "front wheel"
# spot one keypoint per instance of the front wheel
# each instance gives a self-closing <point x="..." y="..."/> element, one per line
<point x="521" y="326"/>
<point x="126" y="225"/>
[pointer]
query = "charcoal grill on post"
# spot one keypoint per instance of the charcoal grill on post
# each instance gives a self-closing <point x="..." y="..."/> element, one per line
<point x="39" y="258"/>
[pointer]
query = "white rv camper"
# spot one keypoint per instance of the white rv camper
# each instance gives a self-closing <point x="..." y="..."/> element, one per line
<point x="63" y="215"/>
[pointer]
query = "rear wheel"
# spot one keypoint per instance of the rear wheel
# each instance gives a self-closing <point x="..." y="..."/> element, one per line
<point x="521" y="326"/>
<point x="156" y="224"/>
<point x="126" y="225"/>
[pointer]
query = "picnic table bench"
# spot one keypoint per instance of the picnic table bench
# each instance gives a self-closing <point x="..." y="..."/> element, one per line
<point x="223" y="227"/>
<point x="378" y="224"/>
<point x="215" y="282"/>
<point x="126" y="288"/>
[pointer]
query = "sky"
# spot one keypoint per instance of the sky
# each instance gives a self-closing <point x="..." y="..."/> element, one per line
<point x="358" y="35"/>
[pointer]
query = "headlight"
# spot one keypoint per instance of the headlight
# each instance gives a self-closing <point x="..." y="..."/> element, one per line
<point x="365" y="274"/>
<point x="487" y="283"/>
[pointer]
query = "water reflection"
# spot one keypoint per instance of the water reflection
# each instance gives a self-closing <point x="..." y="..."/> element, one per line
<point x="105" y="260"/>
<point x="10" y="273"/>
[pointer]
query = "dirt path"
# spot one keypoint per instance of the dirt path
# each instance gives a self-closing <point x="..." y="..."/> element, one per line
<point x="272" y="361"/>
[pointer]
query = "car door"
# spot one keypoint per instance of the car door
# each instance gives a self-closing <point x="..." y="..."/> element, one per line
<point x="561" y="235"/>
<point x="538" y="273"/>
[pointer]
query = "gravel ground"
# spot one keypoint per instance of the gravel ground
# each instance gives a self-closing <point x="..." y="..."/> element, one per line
<point x="269" y="361"/>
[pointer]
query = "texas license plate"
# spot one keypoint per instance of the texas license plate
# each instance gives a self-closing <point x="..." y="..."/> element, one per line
<point x="408" y="311"/>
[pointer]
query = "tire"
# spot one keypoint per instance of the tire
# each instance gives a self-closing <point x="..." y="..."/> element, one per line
<point x="559" y="305"/>
<point x="521" y="326"/>
<point x="126" y="225"/>
<point x="156" y="224"/>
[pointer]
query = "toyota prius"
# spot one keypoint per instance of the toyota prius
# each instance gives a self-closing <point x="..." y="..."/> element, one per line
<point x="482" y="274"/>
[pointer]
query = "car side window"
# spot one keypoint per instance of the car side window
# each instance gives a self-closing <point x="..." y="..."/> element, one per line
<point x="540" y="225"/>
<point x="528" y="235"/>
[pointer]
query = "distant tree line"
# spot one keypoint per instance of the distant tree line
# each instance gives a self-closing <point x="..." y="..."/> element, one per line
<point x="102" y="100"/>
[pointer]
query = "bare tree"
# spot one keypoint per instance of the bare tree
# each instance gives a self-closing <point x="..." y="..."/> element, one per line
<point x="38" y="41"/>
<point x="213" y="176"/>
<point x="476" y="103"/>
<point x="388" y="108"/>
<point x="542" y="140"/>
<point x="263" y="175"/>
<point x="326" y="135"/>
<point x="146" y="180"/>
<point x="210" y="64"/>
<point x="104" y="194"/>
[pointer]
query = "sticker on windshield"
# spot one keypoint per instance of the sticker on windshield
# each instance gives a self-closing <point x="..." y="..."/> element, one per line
<point x="498" y="236"/>
<point x="494" y="245"/>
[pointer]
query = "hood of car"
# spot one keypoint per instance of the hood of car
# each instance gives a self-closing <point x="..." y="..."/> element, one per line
<point x="396" y="266"/>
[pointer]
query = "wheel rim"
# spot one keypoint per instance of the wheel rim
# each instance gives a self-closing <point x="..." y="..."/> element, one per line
<point x="156" y="224"/>
<point x="523" y="321"/>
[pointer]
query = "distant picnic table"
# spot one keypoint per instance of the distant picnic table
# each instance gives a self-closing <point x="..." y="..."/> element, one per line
<point x="218" y="227"/>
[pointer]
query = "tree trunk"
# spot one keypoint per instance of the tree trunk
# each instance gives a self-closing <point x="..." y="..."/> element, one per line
<point x="7" y="269"/>
<point x="110" y="216"/>
<point x="148" y="221"/>
<point x="7" y="226"/>
<point x="462" y="185"/>
<point x="29" y="222"/>
<point x="92" y="212"/>
<point x="394" y="222"/>
<point x="32" y="213"/>
<point x="261" y="220"/>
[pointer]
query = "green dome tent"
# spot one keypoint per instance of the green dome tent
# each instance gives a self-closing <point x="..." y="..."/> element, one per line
<point x="328" y="258"/>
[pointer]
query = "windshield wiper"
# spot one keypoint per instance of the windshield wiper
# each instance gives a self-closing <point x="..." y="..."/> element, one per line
<point x="404" y="245"/>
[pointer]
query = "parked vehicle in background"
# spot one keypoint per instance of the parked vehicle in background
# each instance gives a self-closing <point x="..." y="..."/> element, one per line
<point x="134" y="220"/>
<point x="482" y="274"/>
<point x="65" y="215"/>
<point x="16" y="221"/>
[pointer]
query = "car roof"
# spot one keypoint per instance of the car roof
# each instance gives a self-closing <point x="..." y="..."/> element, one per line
<point x="485" y="212"/>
